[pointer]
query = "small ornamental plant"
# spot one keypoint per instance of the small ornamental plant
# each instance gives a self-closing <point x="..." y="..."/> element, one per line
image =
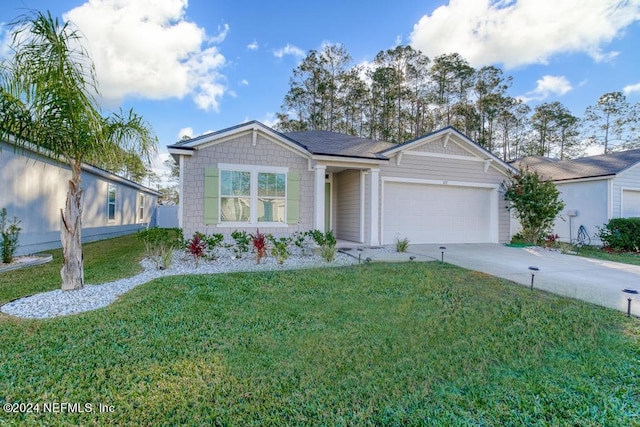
<point x="259" y="242"/>
<point x="9" y="232"/>
<point x="197" y="247"/>
<point x="214" y="242"/>
<point x="159" y="244"/>
<point x="327" y="244"/>
<point x="280" y="248"/>
<point x="242" y="240"/>
<point x="402" y="244"/>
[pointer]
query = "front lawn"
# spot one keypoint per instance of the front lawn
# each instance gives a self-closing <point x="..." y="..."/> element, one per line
<point x="104" y="261"/>
<point x="599" y="253"/>
<point x="376" y="344"/>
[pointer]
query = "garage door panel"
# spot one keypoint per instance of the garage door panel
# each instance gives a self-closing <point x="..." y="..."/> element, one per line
<point x="436" y="213"/>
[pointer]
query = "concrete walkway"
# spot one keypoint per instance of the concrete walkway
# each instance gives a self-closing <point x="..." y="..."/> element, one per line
<point x="596" y="281"/>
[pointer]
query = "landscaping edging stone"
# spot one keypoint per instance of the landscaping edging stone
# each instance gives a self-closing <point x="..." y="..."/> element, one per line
<point x="56" y="303"/>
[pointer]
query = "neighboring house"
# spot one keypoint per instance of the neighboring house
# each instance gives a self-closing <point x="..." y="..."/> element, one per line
<point x="34" y="189"/>
<point x="439" y="188"/>
<point x="594" y="189"/>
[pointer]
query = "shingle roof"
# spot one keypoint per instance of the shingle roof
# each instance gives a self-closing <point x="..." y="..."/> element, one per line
<point x="338" y="144"/>
<point x="585" y="167"/>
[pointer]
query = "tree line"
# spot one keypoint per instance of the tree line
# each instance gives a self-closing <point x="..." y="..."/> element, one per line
<point x="403" y="94"/>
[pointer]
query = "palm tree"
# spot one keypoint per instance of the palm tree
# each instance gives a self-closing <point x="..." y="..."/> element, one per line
<point x="48" y="92"/>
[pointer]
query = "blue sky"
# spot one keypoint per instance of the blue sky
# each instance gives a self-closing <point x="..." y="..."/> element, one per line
<point x="195" y="66"/>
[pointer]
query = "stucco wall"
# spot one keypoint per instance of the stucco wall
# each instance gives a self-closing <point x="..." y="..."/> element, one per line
<point x="240" y="150"/>
<point x="33" y="188"/>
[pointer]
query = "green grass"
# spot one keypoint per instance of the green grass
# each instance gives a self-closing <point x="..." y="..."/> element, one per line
<point x="104" y="261"/>
<point x="375" y="344"/>
<point x="598" y="253"/>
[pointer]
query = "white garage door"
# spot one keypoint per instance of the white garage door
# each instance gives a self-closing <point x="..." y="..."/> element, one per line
<point x="436" y="213"/>
<point x="630" y="203"/>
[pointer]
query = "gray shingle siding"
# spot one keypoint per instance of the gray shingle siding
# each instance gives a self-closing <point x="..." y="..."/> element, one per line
<point x="240" y="150"/>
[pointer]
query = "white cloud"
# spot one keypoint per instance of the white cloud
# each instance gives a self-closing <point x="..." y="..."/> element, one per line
<point x="253" y="45"/>
<point x="188" y="131"/>
<point x="547" y="86"/>
<point x="631" y="89"/>
<point x="270" y="120"/>
<point x="521" y="32"/>
<point x="147" y="49"/>
<point x="244" y="82"/>
<point x="289" y="49"/>
<point x="222" y="34"/>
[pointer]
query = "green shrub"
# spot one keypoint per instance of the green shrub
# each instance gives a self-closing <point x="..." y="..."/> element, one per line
<point x="517" y="239"/>
<point x="621" y="234"/>
<point x="10" y="232"/>
<point x="535" y="202"/>
<point x="323" y="239"/>
<point x="159" y="244"/>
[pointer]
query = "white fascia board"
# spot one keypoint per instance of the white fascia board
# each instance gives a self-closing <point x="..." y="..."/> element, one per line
<point x="345" y="161"/>
<point x="180" y="151"/>
<point x="594" y="178"/>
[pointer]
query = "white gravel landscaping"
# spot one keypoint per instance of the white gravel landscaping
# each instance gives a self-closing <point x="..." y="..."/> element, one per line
<point x="60" y="303"/>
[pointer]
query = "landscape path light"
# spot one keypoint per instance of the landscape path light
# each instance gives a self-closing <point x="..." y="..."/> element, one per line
<point x="442" y="249"/>
<point x="629" y="293"/>
<point x="533" y="270"/>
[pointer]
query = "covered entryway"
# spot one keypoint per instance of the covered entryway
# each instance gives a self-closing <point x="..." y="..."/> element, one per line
<point x="431" y="213"/>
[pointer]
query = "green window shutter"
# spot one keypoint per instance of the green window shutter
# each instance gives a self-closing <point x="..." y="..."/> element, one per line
<point x="211" y="200"/>
<point x="293" y="198"/>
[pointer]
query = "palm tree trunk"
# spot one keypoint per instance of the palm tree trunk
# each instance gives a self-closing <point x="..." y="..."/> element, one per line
<point x="72" y="272"/>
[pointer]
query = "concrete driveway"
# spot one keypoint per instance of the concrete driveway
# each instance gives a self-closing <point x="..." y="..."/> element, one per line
<point x="596" y="281"/>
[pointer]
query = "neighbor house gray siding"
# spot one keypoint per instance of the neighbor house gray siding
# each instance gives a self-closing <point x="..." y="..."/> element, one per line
<point x="629" y="180"/>
<point x="240" y="150"/>
<point x="34" y="189"/>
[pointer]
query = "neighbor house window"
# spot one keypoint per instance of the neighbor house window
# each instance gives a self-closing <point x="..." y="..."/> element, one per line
<point x="140" y="207"/>
<point x="111" y="202"/>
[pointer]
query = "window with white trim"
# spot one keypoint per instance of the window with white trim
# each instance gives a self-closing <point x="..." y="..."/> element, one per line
<point x="258" y="195"/>
<point x="235" y="196"/>
<point x="272" y="197"/>
<point x="140" y="207"/>
<point x="111" y="202"/>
